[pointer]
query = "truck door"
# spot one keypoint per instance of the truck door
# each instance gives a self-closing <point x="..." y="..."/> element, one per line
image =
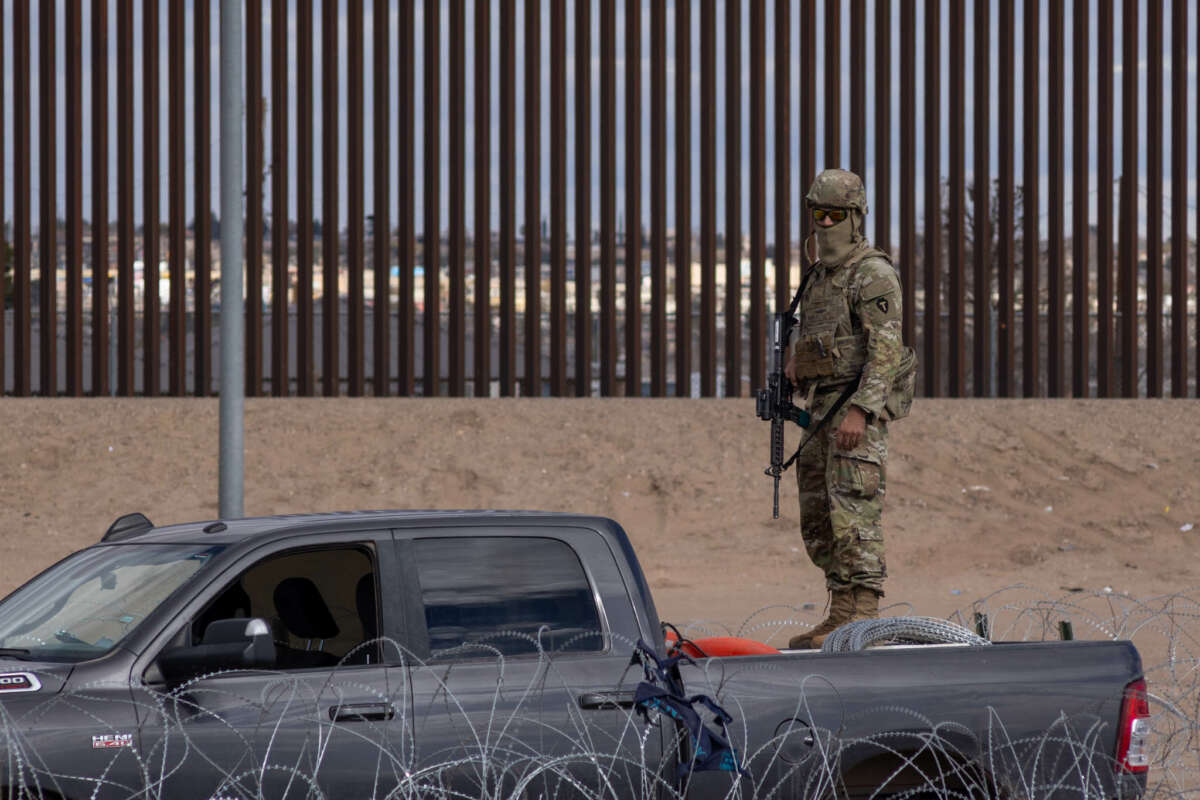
<point x="321" y="722"/>
<point x="519" y="685"/>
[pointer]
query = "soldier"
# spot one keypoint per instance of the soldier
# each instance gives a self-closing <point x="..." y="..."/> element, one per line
<point x="849" y="332"/>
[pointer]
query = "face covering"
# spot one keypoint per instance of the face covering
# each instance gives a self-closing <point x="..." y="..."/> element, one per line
<point x="834" y="244"/>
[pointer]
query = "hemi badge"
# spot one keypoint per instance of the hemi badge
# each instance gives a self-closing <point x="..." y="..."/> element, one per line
<point x="19" y="682"/>
<point x="111" y="740"/>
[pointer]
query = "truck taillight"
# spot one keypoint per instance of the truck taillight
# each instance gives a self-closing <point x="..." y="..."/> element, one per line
<point x="1133" y="751"/>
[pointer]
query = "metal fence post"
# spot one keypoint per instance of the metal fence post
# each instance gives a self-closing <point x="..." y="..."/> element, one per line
<point x="232" y="325"/>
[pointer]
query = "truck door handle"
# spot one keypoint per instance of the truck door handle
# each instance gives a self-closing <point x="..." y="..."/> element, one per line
<point x="599" y="700"/>
<point x="362" y="712"/>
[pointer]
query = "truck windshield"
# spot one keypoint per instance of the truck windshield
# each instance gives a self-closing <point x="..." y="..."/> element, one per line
<point x="84" y="606"/>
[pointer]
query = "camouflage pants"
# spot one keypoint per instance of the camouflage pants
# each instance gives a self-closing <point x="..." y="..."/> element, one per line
<point x="841" y="501"/>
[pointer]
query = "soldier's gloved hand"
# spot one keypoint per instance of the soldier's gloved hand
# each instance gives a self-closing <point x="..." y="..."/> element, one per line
<point x="850" y="433"/>
<point x="790" y="370"/>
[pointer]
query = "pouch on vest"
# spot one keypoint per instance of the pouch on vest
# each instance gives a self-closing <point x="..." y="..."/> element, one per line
<point x="900" y="395"/>
<point x="814" y="356"/>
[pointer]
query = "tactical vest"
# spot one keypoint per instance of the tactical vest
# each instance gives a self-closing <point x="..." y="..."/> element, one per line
<point x="830" y="343"/>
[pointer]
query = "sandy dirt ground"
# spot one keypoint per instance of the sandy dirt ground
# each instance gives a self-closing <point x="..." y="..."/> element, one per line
<point x="983" y="495"/>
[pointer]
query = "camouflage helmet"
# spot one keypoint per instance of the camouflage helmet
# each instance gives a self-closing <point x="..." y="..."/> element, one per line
<point x="838" y="188"/>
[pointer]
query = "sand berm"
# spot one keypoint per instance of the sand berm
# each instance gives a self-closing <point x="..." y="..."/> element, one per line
<point x="1058" y="495"/>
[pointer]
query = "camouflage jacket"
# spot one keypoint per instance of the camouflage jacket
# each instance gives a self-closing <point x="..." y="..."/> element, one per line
<point x="850" y="321"/>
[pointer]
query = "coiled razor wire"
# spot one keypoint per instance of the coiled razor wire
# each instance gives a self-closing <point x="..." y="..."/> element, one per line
<point x="863" y="633"/>
<point x="494" y="759"/>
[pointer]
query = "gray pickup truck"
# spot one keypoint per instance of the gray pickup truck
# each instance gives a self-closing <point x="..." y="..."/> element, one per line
<point x="501" y="654"/>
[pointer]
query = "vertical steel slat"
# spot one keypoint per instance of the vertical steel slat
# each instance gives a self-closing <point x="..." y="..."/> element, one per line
<point x="482" y="253"/>
<point x="457" y="200"/>
<point x="202" y="236"/>
<point x="22" y="200"/>
<point x="177" y="202"/>
<point x="151" y="337"/>
<point x="583" y="198"/>
<point x="1031" y="235"/>
<point x="254" y="198"/>
<point x="1080" y="229"/>
<point x="406" y="178"/>
<point x="658" y="198"/>
<point x="858" y="88"/>
<point x="1005" y="257"/>
<point x="783" y="153"/>
<point x="633" y="198"/>
<point x="1105" y="375"/>
<point x="456" y="195"/>
<point x="883" y="125"/>
<point x="355" y="255"/>
<point x="833" y="83"/>
<point x="708" y="199"/>
<point x="1154" y="202"/>
<point x="758" y="190"/>
<point x="955" y="247"/>
<point x="330" y="291"/>
<point x="125" y="229"/>
<point x="381" y="351"/>
<point x="22" y="197"/>
<point x="48" y="228"/>
<point x="683" y="200"/>
<point x="558" y="200"/>
<point x="100" y="256"/>
<point x="1179" y="242"/>
<point x="431" y="381"/>
<point x="22" y="203"/>
<point x="933" y="200"/>
<point x="305" y="386"/>
<point x="908" y="167"/>
<point x="1126" y="284"/>
<point x="533" y="205"/>
<point x="1056" y="331"/>
<point x="74" y="218"/>
<point x="608" y="199"/>
<point x="3" y="242"/>
<point x="733" y="199"/>
<point x="981" y="210"/>
<point x="280" y="219"/>
<point x="1127" y="222"/>
<point x="807" y="122"/>
<point x="508" y="200"/>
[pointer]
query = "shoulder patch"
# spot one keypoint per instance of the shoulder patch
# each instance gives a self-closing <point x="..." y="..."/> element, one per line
<point x="878" y="288"/>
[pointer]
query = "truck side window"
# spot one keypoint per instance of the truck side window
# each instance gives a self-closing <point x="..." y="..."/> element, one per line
<point x="505" y="594"/>
<point x="321" y="605"/>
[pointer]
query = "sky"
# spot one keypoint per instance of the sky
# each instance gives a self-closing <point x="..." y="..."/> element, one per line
<point x="523" y="157"/>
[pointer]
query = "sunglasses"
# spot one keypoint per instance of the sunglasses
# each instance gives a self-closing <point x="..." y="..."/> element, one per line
<point x="835" y="214"/>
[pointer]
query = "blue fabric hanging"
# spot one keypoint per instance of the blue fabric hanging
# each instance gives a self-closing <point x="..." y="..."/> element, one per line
<point x="661" y="692"/>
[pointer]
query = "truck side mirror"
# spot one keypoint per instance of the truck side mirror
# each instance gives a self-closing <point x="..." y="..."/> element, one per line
<point x="228" y="644"/>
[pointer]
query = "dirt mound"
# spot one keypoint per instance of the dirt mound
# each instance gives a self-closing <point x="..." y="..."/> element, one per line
<point x="982" y="495"/>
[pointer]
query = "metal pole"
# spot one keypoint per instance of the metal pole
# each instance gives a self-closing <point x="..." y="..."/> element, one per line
<point x="232" y="324"/>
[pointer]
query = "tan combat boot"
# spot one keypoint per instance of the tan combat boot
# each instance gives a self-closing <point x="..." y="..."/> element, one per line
<point x="840" y="609"/>
<point x="866" y="603"/>
<point x="863" y="604"/>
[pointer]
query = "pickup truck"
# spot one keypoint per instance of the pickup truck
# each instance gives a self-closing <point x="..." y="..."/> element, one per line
<point x="500" y="654"/>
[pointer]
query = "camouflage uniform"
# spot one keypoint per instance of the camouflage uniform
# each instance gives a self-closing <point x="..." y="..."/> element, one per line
<point x="850" y="323"/>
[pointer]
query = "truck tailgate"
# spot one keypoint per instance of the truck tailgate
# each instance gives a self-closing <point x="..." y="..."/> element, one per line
<point x="1036" y="715"/>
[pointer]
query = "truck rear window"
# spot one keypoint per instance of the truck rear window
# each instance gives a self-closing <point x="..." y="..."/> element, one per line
<point x="509" y="595"/>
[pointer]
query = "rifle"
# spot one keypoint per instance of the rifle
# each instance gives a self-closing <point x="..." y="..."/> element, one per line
<point x="774" y="404"/>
